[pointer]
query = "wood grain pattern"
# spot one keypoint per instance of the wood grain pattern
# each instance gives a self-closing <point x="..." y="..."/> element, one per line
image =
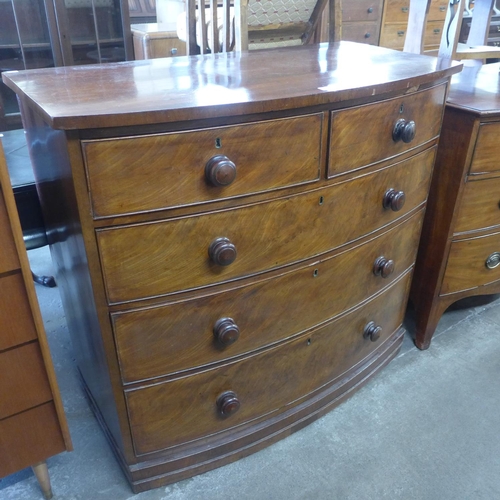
<point x="141" y="261"/>
<point x="167" y="339"/>
<point x="486" y="153"/>
<point x="480" y="206"/>
<point x="168" y="414"/>
<point x="8" y="255"/>
<point x="466" y="264"/>
<point x="363" y="135"/>
<point x="148" y="173"/>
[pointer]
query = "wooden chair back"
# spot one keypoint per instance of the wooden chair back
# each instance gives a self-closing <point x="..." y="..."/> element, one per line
<point x="450" y="48"/>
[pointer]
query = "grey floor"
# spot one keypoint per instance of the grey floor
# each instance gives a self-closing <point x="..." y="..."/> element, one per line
<point x="427" y="427"/>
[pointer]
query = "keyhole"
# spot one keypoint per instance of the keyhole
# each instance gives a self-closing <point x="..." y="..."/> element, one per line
<point x="218" y="143"/>
<point x="321" y="200"/>
<point x="401" y="108"/>
<point x="315" y="273"/>
<point x="308" y="341"/>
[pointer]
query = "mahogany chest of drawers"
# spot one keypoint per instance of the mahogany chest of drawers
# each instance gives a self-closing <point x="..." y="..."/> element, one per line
<point x="234" y="236"/>
<point x="459" y="254"/>
<point x="361" y="21"/>
<point x="32" y="422"/>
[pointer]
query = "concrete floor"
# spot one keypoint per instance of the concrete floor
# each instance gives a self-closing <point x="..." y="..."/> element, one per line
<point x="427" y="427"/>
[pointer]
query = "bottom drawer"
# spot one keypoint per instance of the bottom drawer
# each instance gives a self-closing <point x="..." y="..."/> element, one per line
<point x="472" y="263"/>
<point x="265" y="384"/>
<point x="28" y="438"/>
<point x="361" y="32"/>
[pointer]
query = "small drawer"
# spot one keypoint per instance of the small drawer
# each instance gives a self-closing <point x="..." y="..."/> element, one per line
<point x="365" y="135"/>
<point x="393" y="36"/>
<point x="159" y="258"/>
<point x="433" y="34"/>
<point x="15" y="313"/>
<point x="23" y="380"/>
<point x="28" y="438"/>
<point x="167" y="414"/>
<point x="145" y="173"/>
<point x="8" y="252"/>
<point x="485" y="158"/>
<point x="396" y="11"/>
<point x="361" y="32"/>
<point x="472" y="263"/>
<point x="437" y="11"/>
<point x="240" y="320"/>
<point x="361" y="10"/>
<point x="480" y="205"/>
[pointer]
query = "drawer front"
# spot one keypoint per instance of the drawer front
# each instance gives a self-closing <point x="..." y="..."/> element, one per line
<point x="185" y="334"/>
<point x="480" y="205"/>
<point x="34" y="435"/>
<point x="433" y="33"/>
<point x="15" y="313"/>
<point x="165" y="257"/>
<point x="8" y="253"/>
<point x="361" y="32"/>
<point x="396" y="11"/>
<point x="23" y="380"/>
<point x="437" y="11"/>
<point x="393" y="36"/>
<point x="361" y="10"/>
<point x="182" y="410"/>
<point x="364" y="135"/>
<point x="485" y="158"/>
<point x="466" y="267"/>
<point x="166" y="170"/>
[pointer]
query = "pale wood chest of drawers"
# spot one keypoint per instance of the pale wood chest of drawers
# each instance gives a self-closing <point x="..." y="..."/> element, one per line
<point x="32" y="422"/>
<point x="459" y="254"/>
<point x="237" y="237"/>
<point x="395" y="21"/>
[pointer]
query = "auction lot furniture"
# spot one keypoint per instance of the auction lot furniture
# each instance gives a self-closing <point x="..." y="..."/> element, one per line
<point x="234" y="236"/>
<point x="459" y="254"/>
<point x="32" y="422"/>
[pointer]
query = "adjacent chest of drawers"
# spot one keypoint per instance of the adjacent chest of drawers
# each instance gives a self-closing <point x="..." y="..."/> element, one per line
<point x="395" y="21"/>
<point x="459" y="254"/>
<point x="236" y="238"/>
<point x="32" y="422"/>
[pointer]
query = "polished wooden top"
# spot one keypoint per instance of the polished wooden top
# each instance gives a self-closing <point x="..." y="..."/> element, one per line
<point x="236" y="83"/>
<point x="477" y="89"/>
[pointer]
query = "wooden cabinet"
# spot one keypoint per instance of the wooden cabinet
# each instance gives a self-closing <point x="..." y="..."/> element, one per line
<point x="151" y="41"/>
<point x="32" y="421"/>
<point x="395" y="21"/>
<point x="459" y="252"/>
<point x="242" y="232"/>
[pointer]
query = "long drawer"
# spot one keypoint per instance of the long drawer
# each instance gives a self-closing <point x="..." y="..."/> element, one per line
<point x="164" y="257"/>
<point x="8" y="253"/>
<point x="170" y="338"/>
<point x="485" y="158"/>
<point x="480" y="205"/>
<point x="17" y="319"/>
<point x="472" y="263"/>
<point x="182" y="410"/>
<point x="137" y="174"/>
<point x="363" y="135"/>
<point x="23" y="380"/>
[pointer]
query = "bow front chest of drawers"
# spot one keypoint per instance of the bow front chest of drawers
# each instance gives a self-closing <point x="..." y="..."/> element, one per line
<point x="234" y="236"/>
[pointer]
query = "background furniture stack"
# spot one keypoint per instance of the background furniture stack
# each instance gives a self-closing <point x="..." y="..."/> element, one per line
<point x="32" y="422"/>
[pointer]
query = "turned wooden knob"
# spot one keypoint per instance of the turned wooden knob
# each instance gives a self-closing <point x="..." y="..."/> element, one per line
<point x="228" y="403"/>
<point x="372" y="331"/>
<point x="226" y="331"/>
<point x="394" y="200"/>
<point x="220" y="171"/>
<point x="222" y="251"/>
<point x="404" y="131"/>
<point x="383" y="267"/>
